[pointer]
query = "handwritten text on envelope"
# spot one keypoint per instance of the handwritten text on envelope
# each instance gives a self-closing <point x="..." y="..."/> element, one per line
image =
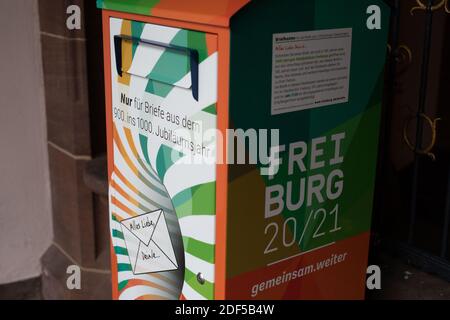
<point x="148" y="243"/>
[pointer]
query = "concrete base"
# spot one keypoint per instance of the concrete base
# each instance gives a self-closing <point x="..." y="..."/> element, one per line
<point x="95" y="284"/>
<point x="24" y="290"/>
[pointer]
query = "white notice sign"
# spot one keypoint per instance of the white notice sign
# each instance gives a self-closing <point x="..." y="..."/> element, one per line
<point x="310" y="69"/>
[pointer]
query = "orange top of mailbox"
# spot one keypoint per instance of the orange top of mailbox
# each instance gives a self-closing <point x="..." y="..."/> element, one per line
<point x="213" y="12"/>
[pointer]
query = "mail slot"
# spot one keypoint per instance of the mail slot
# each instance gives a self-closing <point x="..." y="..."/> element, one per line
<point x="242" y="146"/>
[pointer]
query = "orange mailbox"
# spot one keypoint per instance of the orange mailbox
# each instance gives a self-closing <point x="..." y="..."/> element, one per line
<point x="189" y="84"/>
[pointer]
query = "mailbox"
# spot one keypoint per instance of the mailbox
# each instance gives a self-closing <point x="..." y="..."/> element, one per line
<point x="242" y="146"/>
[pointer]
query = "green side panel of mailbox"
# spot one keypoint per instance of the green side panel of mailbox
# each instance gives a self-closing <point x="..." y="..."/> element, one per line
<point x="319" y="223"/>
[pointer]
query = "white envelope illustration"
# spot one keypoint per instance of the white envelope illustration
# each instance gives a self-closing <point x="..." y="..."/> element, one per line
<point x="148" y="243"/>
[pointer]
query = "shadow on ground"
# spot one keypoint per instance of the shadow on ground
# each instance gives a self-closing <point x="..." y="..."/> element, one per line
<point x="401" y="281"/>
